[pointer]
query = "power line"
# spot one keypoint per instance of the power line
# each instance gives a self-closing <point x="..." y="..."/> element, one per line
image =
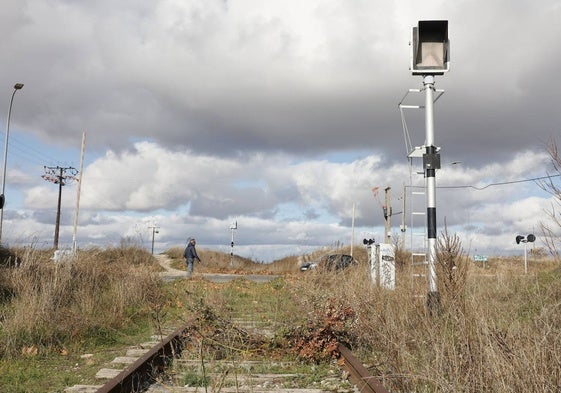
<point x="30" y="153"/>
<point x="502" y="183"/>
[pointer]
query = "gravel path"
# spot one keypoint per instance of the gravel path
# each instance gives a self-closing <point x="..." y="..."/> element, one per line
<point x="170" y="273"/>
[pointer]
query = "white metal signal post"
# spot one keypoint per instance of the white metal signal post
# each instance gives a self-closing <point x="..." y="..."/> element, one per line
<point x="429" y="57"/>
<point x="233" y="227"/>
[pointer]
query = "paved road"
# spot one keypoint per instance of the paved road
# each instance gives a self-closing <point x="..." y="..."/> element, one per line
<point x="171" y="273"/>
<point x="217" y="277"/>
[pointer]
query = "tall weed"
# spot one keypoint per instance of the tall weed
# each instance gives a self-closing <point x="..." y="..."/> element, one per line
<point x="499" y="332"/>
<point x="96" y="292"/>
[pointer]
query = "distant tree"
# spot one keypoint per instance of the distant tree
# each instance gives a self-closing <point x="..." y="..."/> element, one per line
<point x="402" y="255"/>
<point x="552" y="230"/>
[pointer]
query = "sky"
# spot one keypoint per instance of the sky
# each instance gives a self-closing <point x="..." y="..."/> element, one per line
<point x="281" y="116"/>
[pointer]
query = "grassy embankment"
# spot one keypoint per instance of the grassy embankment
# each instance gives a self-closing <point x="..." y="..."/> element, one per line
<point x="497" y="329"/>
<point x="61" y="322"/>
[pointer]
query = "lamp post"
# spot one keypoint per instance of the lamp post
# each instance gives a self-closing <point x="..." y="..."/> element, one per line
<point x="17" y="87"/>
<point x="154" y="231"/>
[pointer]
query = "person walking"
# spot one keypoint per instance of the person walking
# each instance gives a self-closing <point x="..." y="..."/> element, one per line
<point x="190" y="255"/>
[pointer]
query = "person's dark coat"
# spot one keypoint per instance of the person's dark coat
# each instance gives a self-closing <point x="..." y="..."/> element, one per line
<point x="191" y="252"/>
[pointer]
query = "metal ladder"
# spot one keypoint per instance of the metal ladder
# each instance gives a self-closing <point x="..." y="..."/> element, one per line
<point x="418" y="239"/>
<point x="414" y="100"/>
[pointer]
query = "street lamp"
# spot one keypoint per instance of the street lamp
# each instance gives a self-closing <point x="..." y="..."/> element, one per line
<point x="154" y="231"/>
<point x="17" y="87"/>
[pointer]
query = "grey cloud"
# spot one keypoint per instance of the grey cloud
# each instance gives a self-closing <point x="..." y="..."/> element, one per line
<point x="229" y="83"/>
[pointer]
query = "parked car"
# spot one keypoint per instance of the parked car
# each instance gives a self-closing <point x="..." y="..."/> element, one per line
<point x="330" y="262"/>
<point x="308" y="266"/>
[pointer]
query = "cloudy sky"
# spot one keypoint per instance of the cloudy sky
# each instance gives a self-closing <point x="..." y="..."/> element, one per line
<point x="280" y="115"/>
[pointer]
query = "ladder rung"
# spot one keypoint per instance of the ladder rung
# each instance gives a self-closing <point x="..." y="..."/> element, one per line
<point x="419" y="259"/>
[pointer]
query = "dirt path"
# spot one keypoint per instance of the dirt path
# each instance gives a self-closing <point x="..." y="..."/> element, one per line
<point x="170" y="273"/>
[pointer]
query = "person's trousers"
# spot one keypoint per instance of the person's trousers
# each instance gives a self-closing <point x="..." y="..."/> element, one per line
<point x="189" y="263"/>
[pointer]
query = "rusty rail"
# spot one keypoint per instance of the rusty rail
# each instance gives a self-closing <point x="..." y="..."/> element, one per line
<point x="134" y="376"/>
<point x="359" y="375"/>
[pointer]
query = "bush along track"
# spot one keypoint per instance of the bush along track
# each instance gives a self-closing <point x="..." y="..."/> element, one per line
<point x="251" y="337"/>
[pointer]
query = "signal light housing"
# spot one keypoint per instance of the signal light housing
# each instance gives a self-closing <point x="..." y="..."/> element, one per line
<point x="430" y="48"/>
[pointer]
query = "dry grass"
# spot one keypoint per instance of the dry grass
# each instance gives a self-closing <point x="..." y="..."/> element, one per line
<point x="498" y="332"/>
<point x="215" y="262"/>
<point x="48" y="305"/>
<point x="497" y="329"/>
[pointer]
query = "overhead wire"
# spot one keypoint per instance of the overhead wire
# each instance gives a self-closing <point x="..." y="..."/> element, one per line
<point x="502" y="183"/>
<point x="26" y="155"/>
<point x="32" y="155"/>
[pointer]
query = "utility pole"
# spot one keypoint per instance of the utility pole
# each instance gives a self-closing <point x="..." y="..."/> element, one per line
<point x="403" y="218"/>
<point x="233" y="227"/>
<point x="80" y="181"/>
<point x="388" y="215"/>
<point x="154" y="231"/>
<point x="58" y="175"/>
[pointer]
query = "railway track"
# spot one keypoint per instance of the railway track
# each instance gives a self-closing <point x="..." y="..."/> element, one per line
<point x="146" y="369"/>
<point x="227" y="355"/>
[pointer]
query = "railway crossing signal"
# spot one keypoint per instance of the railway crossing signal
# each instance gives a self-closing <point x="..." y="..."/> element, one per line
<point x="528" y="239"/>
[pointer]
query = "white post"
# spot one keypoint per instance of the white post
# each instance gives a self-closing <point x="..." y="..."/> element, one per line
<point x="233" y="227"/>
<point x="74" y="240"/>
<point x="403" y="217"/>
<point x="232" y="243"/>
<point x="525" y="258"/>
<point x="353" y="230"/>
<point x="388" y="216"/>
<point x="430" y="175"/>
